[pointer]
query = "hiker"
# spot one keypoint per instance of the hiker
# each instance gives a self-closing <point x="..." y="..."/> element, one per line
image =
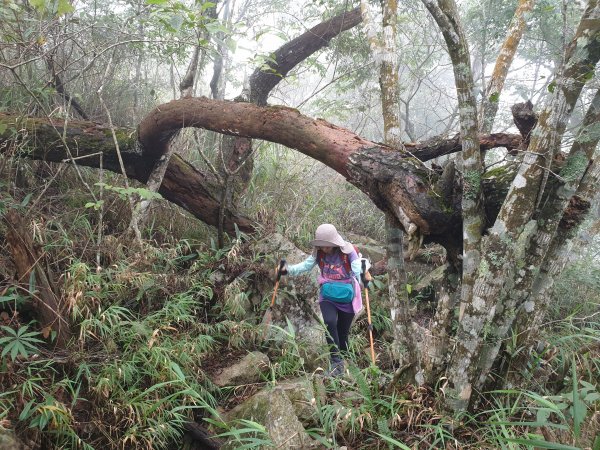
<point x="339" y="294"/>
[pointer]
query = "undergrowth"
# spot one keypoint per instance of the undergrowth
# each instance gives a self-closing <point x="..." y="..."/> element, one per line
<point x="150" y="326"/>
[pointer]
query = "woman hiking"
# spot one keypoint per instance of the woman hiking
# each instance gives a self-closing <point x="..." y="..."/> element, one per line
<point x="339" y="289"/>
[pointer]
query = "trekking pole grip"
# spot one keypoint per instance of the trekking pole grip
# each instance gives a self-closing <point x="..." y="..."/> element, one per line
<point x="281" y="266"/>
<point x="363" y="273"/>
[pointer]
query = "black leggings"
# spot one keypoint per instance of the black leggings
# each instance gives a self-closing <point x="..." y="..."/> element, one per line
<point x="338" y="327"/>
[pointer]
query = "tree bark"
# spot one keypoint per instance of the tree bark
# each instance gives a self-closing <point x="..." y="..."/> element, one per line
<point x="218" y="81"/>
<point x="393" y="180"/>
<point x="186" y="85"/>
<point x="564" y="210"/>
<point x="237" y="162"/>
<point x="60" y="88"/>
<point x="182" y="184"/>
<point x="405" y="347"/>
<point x="385" y="53"/>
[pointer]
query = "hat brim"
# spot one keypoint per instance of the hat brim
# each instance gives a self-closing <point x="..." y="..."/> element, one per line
<point x="345" y="247"/>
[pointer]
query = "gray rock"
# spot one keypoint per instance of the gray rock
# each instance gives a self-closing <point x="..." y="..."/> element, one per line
<point x="373" y="252"/>
<point x="273" y="409"/>
<point x="369" y="248"/>
<point x="306" y="395"/>
<point x="8" y="441"/>
<point x="247" y="370"/>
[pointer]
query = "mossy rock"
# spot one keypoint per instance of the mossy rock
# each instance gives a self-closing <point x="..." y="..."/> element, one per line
<point x="273" y="409"/>
<point x="306" y="395"/>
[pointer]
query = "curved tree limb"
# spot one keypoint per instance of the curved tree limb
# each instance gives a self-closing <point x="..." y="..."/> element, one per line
<point x="284" y="59"/>
<point x="193" y="190"/>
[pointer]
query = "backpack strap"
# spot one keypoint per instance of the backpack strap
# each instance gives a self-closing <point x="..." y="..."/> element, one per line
<point x="320" y="260"/>
<point x="347" y="264"/>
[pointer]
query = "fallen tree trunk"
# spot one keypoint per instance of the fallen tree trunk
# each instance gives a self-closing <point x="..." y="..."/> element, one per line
<point x="383" y="173"/>
<point x="84" y="142"/>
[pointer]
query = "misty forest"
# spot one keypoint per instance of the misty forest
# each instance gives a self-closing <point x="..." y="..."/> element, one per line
<point x="163" y="163"/>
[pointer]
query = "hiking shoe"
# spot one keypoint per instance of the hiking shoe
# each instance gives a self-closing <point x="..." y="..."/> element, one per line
<point x="336" y="371"/>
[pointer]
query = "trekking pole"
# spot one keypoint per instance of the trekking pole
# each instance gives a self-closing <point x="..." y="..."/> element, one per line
<point x="366" y="278"/>
<point x="269" y="314"/>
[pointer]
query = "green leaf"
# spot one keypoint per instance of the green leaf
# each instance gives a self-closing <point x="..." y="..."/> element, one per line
<point x="408" y="288"/>
<point x="157" y="2"/>
<point x="176" y="21"/>
<point x="175" y="368"/>
<point x="231" y="45"/>
<point x="5" y="351"/>
<point x="40" y="5"/>
<point x="25" y="413"/>
<point x="551" y="87"/>
<point x="9" y="330"/>
<point x="494" y="97"/>
<point x="216" y="27"/>
<point x="14" y="350"/>
<point x="588" y="76"/>
<point x="579" y="408"/>
<point x="3" y="127"/>
<point x="64" y="7"/>
<point x="32" y="281"/>
<point x="591" y="398"/>
<point x="26" y="200"/>
<point x="206" y="5"/>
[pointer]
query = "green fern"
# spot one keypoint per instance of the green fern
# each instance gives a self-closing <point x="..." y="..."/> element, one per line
<point x="19" y="342"/>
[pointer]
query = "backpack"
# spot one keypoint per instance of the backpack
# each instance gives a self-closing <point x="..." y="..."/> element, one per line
<point x="345" y="259"/>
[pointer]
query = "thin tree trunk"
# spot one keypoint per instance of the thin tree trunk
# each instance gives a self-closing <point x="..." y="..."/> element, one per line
<point x="405" y="346"/>
<point x="505" y="58"/>
<point x="60" y="88"/>
<point x="156" y="177"/>
<point x="385" y="53"/>
<point x="138" y="67"/>
<point x="219" y="78"/>
<point x="186" y="86"/>
<point x="386" y="56"/>
<point x="470" y="163"/>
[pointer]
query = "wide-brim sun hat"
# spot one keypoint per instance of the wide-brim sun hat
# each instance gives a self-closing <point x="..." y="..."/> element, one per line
<point x="327" y="236"/>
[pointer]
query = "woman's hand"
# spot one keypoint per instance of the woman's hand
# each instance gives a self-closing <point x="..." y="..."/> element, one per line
<point x="281" y="269"/>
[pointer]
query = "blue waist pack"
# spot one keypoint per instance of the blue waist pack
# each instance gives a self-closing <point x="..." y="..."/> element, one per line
<point x="338" y="292"/>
